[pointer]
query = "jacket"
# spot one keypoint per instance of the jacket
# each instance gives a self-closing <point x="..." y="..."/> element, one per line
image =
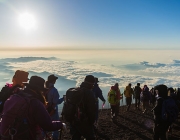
<point x="98" y="92"/>
<point x="128" y="91"/>
<point x="114" y="95"/>
<point x="37" y="116"/>
<point x="137" y="92"/>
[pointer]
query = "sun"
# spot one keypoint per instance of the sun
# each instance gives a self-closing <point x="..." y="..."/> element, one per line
<point x="27" y="21"/>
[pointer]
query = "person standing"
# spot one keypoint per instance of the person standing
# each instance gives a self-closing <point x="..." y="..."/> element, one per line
<point x="165" y="112"/>
<point x="114" y="97"/>
<point x="53" y="100"/>
<point x="128" y="92"/>
<point x="85" y="127"/>
<point x="137" y="92"/>
<point x="98" y="94"/>
<point x="146" y="97"/>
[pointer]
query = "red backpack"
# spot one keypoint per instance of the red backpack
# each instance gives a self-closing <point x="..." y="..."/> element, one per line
<point x="15" y="123"/>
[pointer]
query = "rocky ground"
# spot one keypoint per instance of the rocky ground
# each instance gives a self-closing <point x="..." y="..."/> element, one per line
<point x="132" y="125"/>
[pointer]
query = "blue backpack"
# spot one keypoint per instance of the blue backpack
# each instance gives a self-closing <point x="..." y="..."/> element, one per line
<point x="169" y="110"/>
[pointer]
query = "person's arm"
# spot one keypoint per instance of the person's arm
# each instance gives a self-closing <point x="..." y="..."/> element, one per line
<point x="42" y="118"/>
<point x="56" y="99"/>
<point x="100" y="95"/>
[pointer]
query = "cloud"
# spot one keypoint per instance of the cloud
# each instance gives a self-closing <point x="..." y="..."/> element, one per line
<point x="26" y="59"/>
<point x="72" y="73"/>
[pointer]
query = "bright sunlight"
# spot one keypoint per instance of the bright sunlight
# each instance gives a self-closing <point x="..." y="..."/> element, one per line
<point x="27" y="21"/>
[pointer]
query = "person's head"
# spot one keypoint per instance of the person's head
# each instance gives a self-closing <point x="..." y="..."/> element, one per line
<point x="19" y="77"/>
<point x="161" y="90"/>
<point x="170" y="91"/>
<point x="52" y="79"/>
<point x="116" y="85"/>
<point x="129" y="84"/>
<point x="89" y="79"/>
<point x="138" y="84"/>
<point x="36" y="84"/>
<point x="96" y="80"/>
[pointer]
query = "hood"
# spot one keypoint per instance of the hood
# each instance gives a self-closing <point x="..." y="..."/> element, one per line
<point x="114" y="88"/>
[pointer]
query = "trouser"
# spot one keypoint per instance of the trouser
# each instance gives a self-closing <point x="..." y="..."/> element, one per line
<point x="128" y="102"/>
<point x="118" y="105"/>
<point x="87" y="131"/>
<point x="160" y="131"/>
<point x="114" y="111"/>
<point x="145" y="105"/>
<point x="137" y="102"/>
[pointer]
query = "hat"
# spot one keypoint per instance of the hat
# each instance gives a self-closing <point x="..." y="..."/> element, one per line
<point x="96" y="79"/>
<point x="52" y="78"/>
<point x="21" y="75"/>
<point x="36" y="81"/>
<point x="89" y="79"/>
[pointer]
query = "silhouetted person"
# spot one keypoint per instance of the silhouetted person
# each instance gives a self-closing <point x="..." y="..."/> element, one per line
<point x="98" y="94"/>
<point x="53" y="101"/>
<point x="128" y="92"/>
<point x="137" y="92"/>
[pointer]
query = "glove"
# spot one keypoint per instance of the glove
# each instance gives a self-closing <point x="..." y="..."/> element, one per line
<point x="64" y="128"/>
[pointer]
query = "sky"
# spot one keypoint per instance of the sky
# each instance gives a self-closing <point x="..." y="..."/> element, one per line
<point x="93" y="24"/>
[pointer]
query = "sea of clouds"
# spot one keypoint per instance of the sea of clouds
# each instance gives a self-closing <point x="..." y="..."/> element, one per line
<point x="72" y="73"/>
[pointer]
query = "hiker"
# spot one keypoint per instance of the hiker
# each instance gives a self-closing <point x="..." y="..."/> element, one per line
<point x="9" y="89"/>
<point x="165" y="112"/>
<point x="25" y="116"/>
<point x="98" y="94"/>
<point x="84" y="126"/>
<point x="114" y="97"/>
<point x="53" y="101"/>
<point x="153" y="97"/>
<point x="145" y="98"/>
<point x="137" y="92"/>
<point x="128" y="92"/>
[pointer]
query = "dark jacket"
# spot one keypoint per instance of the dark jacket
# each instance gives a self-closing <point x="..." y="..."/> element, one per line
<point x="157" y="111"/>
<point x="89" y="102"/>
<point x="98" y="92"/>
<point x="37" y="116"/>
<point x="137" y="92"/>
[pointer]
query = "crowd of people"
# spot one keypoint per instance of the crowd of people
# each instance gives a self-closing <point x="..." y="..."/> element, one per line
<point x="29" y="110"/>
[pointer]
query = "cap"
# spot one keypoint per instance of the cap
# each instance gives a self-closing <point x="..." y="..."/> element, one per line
<point x="52" y="78"/>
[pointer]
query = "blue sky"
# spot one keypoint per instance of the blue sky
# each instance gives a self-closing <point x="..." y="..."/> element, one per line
<point x="102" y="24"/>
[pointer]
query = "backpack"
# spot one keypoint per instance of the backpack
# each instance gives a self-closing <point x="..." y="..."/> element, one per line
<point x="73" y="109"/>
<point x="4" y="95"/>
<point x="112" y="97"/>
<point x="169" y="110"/>
<point x="15" y="117"/>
